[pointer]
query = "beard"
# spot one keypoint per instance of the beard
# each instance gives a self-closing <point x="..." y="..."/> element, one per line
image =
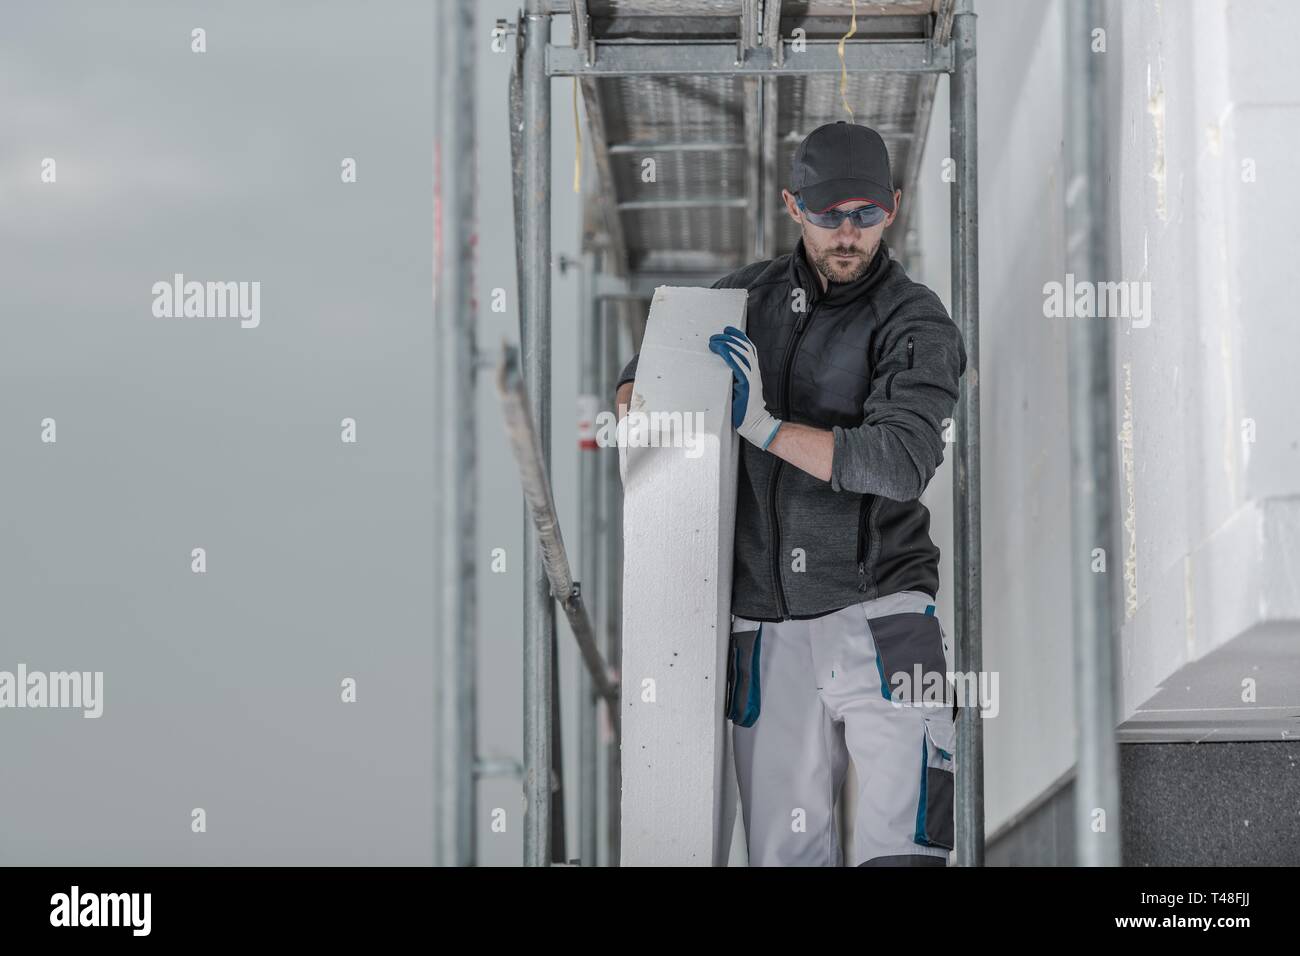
<point x="843" y="270"/>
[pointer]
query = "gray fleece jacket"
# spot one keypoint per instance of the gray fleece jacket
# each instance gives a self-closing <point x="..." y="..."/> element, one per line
<point x="877" y="362"/>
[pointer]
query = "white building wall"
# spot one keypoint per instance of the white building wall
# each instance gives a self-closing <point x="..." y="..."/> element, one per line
<point x="1206" y="172"/>
<point x="1209" y="548"/>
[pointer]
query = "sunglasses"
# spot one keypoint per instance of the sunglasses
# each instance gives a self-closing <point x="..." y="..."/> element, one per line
<point x="863" y="217"/>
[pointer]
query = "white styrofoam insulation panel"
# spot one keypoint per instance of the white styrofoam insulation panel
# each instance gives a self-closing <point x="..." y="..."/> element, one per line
<point x="679" y="507"/>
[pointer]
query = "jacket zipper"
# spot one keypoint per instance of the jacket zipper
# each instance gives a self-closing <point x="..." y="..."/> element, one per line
<point x="800" y="325"/>
<point x="864" y="508"/>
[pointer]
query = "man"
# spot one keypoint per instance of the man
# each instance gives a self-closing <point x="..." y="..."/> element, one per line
<point x="844" y="383"/>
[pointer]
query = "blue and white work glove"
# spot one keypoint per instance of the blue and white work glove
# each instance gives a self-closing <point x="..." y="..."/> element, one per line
<point x="748" y="415"/>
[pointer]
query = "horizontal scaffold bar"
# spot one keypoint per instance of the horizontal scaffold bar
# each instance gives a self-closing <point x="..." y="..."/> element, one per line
<point x="700" y="202"/>
<point x="684" y="59"/>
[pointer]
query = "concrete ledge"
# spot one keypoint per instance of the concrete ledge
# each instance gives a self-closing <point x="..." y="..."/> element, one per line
<point x="1227" y="614"/>
<point x="1222" y="804"/>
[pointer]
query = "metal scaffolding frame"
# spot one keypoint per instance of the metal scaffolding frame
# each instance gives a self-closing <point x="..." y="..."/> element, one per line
<point x="717" y="93"/>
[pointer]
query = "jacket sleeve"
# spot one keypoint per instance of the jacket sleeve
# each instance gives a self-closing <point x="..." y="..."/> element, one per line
<point x="629" y="372"/>
<point x="898" y="446"/>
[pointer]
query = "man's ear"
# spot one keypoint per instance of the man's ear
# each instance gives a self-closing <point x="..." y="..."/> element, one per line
<point x="898" y="204"/>
<point x="791" y="206"/>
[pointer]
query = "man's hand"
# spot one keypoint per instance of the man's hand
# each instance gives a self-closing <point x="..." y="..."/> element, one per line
<point x="748" y="415"/>
<point x="621" y="401"/>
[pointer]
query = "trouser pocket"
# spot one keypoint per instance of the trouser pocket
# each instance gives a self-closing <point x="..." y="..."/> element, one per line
<point x="744" y="693"/>
<point x="910" y="657"/>
<point x="934" y="809"/>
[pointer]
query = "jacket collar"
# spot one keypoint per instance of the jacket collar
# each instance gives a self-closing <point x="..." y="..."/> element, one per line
<point x="803" y="275"/>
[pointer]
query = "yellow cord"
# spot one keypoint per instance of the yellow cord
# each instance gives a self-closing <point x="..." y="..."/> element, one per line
<point x="844" y="70"/>
<point x="577" y="133"/>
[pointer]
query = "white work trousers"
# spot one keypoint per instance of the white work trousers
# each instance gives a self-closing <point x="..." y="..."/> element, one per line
<point x="805" y="697"/>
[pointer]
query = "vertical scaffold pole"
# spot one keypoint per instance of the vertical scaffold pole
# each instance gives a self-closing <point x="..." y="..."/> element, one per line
<point x="535" y="340"/>
<point x="967" y="570"/>
<point x="1096" y="786"/>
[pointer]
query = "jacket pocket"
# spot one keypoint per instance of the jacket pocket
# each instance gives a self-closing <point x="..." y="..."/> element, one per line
<point x="864" y="509"/>
<point x="889" y="382"/>
<point x="744" y="693"/>
<point x="909" y="648"/>
<point x="934" y="808"/>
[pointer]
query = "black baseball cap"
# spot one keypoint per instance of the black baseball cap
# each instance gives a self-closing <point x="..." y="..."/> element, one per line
<point x="842" y="162"/>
